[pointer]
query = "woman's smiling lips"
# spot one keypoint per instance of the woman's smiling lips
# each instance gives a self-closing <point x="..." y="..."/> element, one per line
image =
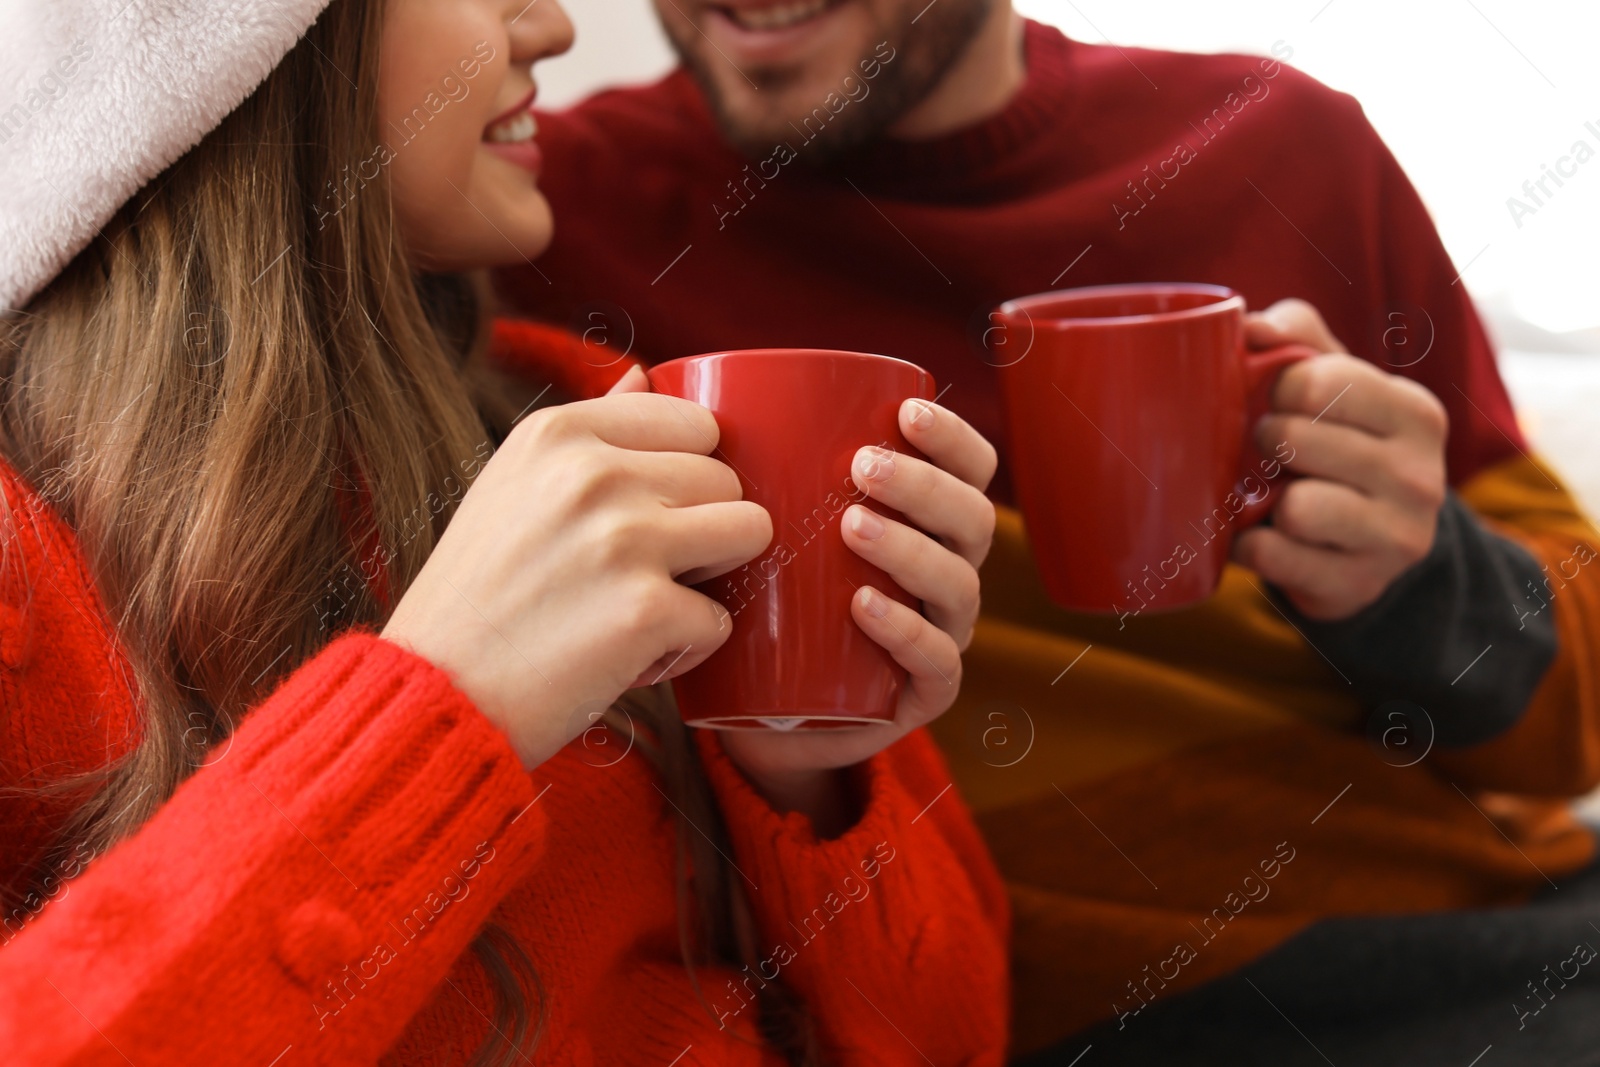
<point x="510" y="135"/>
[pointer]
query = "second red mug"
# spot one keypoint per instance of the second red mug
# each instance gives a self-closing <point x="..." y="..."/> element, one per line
<point x="1131" y="412"/>
<point x="791" y="421"/>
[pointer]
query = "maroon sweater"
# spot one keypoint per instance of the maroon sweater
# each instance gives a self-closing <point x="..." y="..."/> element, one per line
<point x="1227" y="173"/>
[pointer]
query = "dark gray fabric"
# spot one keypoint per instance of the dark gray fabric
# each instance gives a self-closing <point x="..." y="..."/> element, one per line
<point x="1445" y="989"/>
<point x="1461" y="635"/>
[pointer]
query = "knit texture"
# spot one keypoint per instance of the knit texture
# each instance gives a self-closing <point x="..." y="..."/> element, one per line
<point x="1129" y="777"/>
<point x="311" y="892"/>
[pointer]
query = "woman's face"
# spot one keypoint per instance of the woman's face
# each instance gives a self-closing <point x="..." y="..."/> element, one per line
<point x="454" y="93"/>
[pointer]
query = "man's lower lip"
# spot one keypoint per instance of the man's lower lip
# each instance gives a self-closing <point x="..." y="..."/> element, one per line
<point x="757" y="45"/>
<point x="524" y="154"/>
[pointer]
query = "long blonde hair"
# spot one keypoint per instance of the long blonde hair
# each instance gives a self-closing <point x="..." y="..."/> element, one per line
<point x="209" y="390"/>
<point x="240" y="372"/>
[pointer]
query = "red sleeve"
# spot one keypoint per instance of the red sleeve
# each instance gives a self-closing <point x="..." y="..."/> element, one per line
<point x="580" y="365"/>
<point x="359" y="830"/>
<point x="895" y="932"/>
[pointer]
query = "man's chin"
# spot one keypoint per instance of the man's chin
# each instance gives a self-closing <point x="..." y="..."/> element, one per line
<point x="755" y="125"/>
<point x="827" y="102"/>
<point x="756" y="135"/>
<point x="754" y="119"/>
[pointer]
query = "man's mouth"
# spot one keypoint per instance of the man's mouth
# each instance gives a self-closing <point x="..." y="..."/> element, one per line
<point x="779" y="16"/>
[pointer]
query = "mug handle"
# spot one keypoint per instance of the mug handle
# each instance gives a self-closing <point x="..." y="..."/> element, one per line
<point x="1261" y="370"/>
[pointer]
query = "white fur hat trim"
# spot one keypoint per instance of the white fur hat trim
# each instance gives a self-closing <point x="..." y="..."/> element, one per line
<point x="99" y="96"/>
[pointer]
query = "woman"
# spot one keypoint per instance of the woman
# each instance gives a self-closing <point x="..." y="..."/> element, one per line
<point x="299" y="616"/>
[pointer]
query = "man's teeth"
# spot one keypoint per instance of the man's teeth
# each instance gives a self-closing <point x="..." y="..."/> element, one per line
<point x="777" y="16"/>
<point x="520" y="127"/>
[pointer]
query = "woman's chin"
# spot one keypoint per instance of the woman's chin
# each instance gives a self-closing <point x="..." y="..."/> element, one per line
<point x="528" y="247"/>
<point x="522" y="243"/>
<point x="518" y="220"/>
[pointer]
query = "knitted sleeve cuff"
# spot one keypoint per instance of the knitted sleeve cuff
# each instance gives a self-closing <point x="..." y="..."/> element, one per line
<point x="799" y="868"/>
<point x="308" y="888"/>
<point x="1452" y="635"/>
<point x="884" y="922"/>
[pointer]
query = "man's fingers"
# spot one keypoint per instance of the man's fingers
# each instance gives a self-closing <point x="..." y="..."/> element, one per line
<point x="1337" y="388"/>
<point x="1344" y="389"/>
<point x="946" y="439"/>
<point x="1307" y="572"/>
<point x="930" y="499"/>
<point x="1405" y="473"/>
<point x="1290" y="321"/>
<point x="1322" y="582"/>
<point x="946" y="584"/>
<point x="1328" y="450"/>
<point x="1327" y="514"/>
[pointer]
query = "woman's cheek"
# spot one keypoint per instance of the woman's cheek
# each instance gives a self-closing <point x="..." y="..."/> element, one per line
<point x="428" y="212"/>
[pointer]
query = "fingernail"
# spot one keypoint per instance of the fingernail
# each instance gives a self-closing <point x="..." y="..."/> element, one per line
<point x="875" y="464"/>
<point x="920" y="413"/>
<point x="863" y="523"/>
<point x="632" y="374"/>
<point x="876" y="606"/>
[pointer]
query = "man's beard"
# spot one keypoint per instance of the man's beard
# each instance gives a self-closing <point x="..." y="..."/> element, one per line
<point x="923" y="54"/>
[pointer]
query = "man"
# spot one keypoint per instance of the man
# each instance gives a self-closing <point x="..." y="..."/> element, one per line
<point x="1313" y="817"/>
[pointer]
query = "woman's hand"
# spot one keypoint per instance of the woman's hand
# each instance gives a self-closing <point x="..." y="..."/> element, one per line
<point x="553" y="588"/>
<point x="943" y="496"/>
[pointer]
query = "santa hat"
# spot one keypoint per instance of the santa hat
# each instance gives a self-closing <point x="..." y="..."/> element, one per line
<point x="99" y="96"/>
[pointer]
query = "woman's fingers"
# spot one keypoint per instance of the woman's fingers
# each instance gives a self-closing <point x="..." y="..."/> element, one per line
<point x="929" y="656"/>
<point x="700" y="625"/>
<point x="931" y="499"/>
<point x="942" y="496"/>
<point x="682" y="479"/>
<point x="633" y="380"/>
<point x="706" y="540"/>
<point x="946" y="439"/>
<point x="644" y="422"/>
<point x="946" y="583"/>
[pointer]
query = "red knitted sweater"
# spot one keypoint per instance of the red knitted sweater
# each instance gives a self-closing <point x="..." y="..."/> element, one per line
<point x="308" y="896"/>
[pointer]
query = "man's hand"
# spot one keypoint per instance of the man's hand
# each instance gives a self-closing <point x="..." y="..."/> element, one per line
<point x="1371" y="448"/>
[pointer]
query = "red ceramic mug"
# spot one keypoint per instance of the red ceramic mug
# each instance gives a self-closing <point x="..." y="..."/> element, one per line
<point x="791" y="422"/>
<point x="1131" y="412"/>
